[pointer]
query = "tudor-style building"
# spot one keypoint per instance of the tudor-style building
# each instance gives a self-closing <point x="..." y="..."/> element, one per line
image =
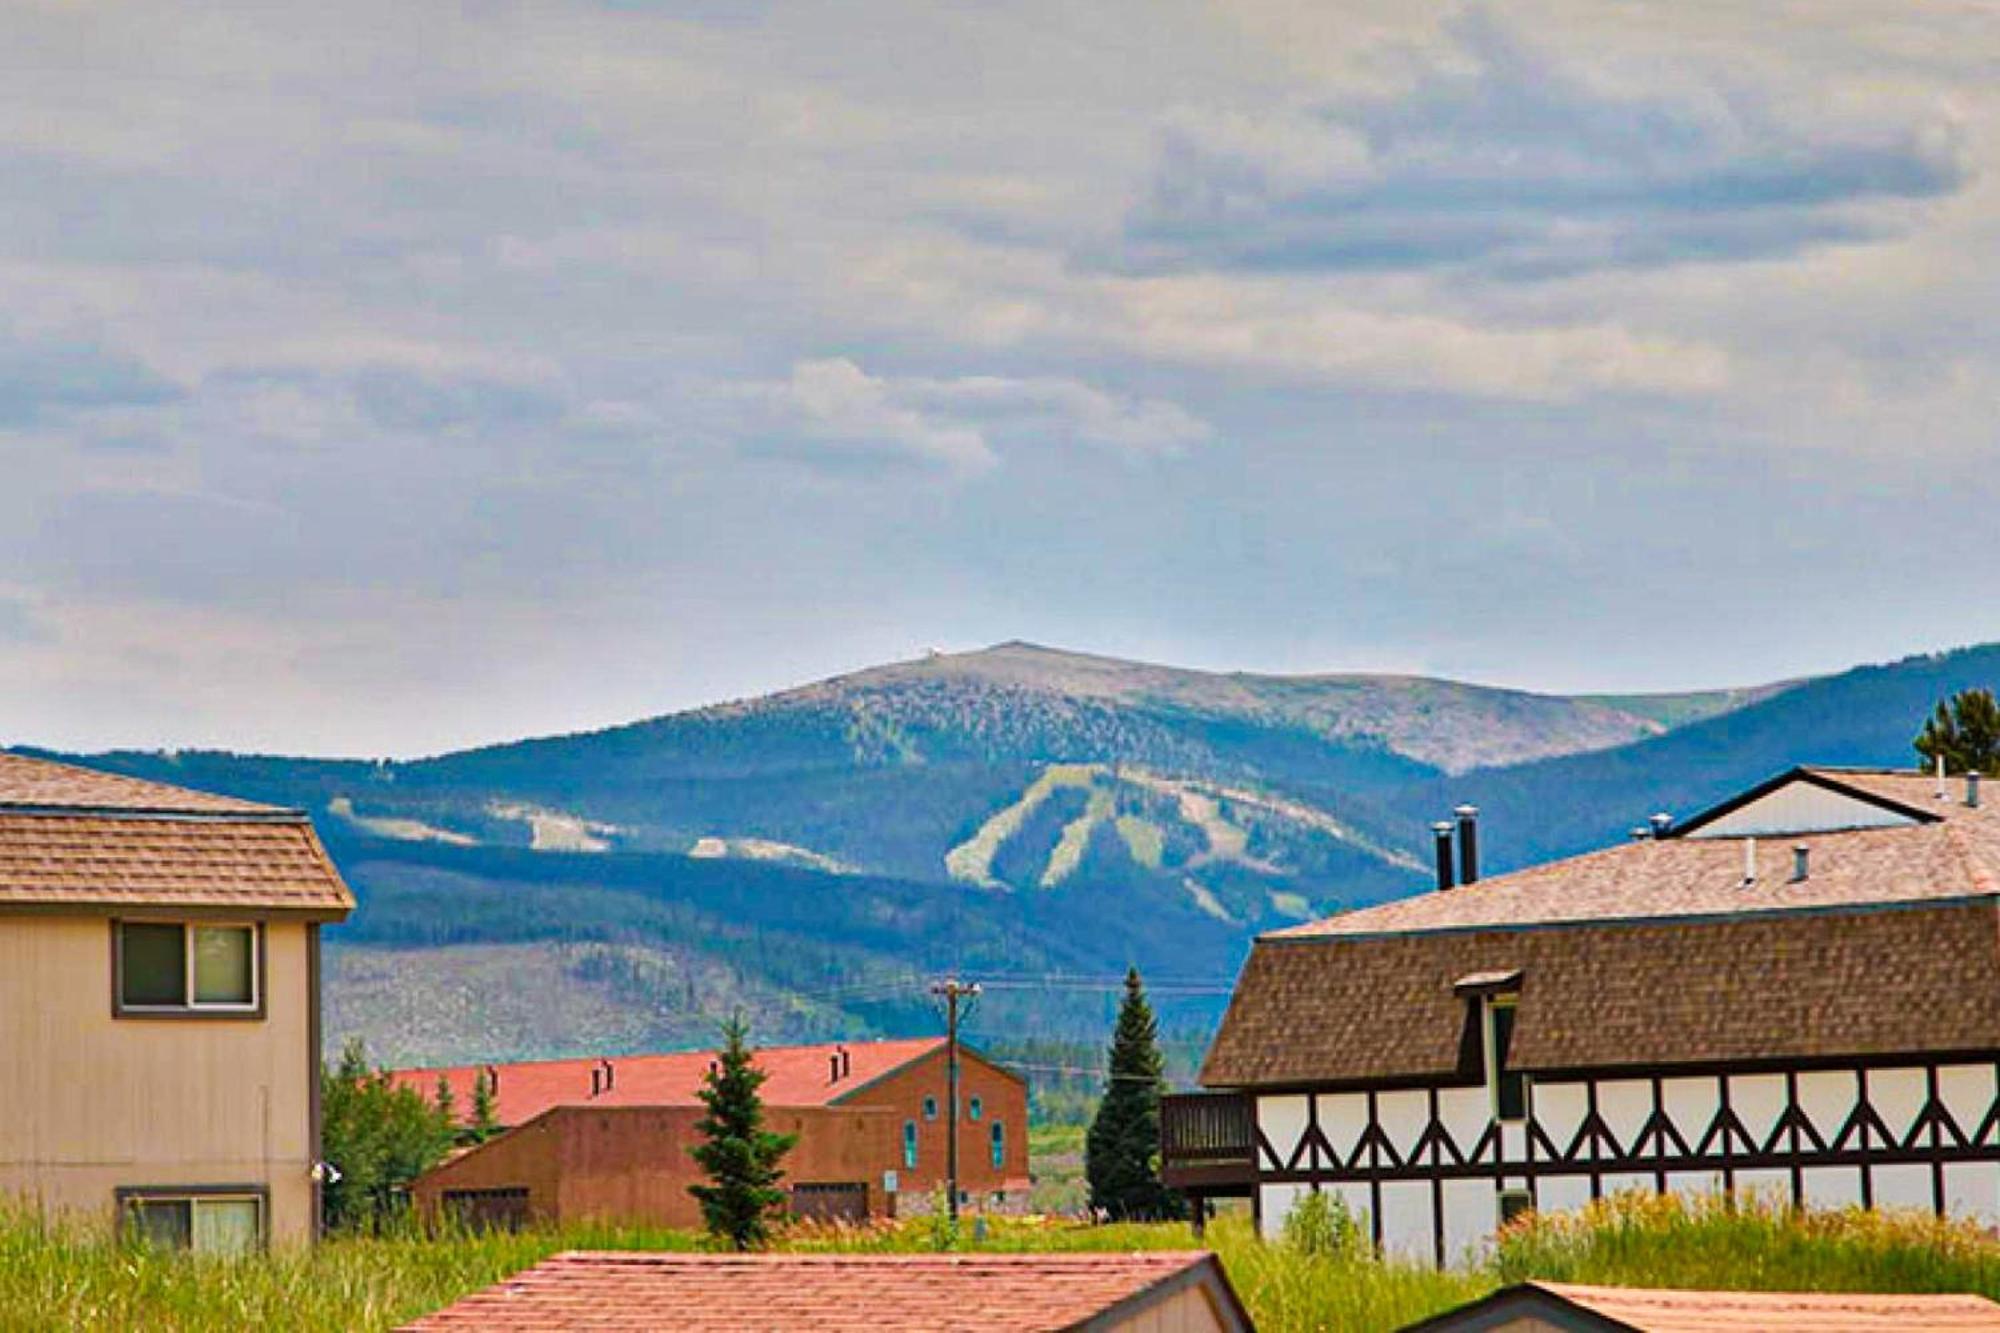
<point x="1796" y="991"/>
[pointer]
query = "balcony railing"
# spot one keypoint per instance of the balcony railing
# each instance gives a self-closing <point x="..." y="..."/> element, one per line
<point x="1208" y="1140"/>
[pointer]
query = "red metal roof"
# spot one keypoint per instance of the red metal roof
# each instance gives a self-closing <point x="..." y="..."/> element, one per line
<point x="832" y="1293"/>
<point x="798" y="1076"/>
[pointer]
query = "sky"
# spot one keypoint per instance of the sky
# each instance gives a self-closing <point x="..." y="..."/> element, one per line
<point x="377" y="379"/>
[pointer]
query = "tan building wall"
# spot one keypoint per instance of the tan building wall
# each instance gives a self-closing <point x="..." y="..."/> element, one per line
<point x="633" y="1164"/>
<point x="1003" y="1100"/>
<point x="90" y="1103"/>
<point x="1192" y="1309"/>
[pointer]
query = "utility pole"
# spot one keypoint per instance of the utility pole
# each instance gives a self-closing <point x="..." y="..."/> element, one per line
<point x="951" y="990"/>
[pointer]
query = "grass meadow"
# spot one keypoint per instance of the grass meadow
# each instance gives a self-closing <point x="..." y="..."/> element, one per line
<point x="51" y="1278"/>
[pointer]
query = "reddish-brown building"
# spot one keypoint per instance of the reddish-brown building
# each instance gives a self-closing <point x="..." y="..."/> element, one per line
<point x="609" y="1139"/>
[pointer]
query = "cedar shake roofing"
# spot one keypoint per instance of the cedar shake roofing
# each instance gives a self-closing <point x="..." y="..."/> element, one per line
<point x="834" y="1293"/>
<point x="74" y="838"/>
<point x="1650" y="954"/>
<point x="797" y="1076"/>
<point x="1640" y="1310"/>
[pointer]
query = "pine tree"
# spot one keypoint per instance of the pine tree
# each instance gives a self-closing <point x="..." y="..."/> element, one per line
<point x="739" y="1156"/>
<point x="485" y="1117"/>
<point x="447" y="1105"/>
<point x="1121" y="1151"/>
<point x="1964" y="732"/>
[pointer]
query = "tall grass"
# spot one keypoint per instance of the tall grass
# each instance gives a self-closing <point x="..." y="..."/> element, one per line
<point x="55" y="1278"/>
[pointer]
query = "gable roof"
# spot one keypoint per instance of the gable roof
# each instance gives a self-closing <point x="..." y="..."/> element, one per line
<point x="838" y="1293"/>
<point x="1589" y="1309"/>
<point x="1952" y="852"/>
<point x="795" y="1076"/>
<point x="72" y="837"/>
<point x="1651" y="954"/>
<point x="29" y="784"/>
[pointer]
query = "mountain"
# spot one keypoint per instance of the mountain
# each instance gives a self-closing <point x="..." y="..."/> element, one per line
<point x="1040" y="816"/>
<point x="1556" y="807"/>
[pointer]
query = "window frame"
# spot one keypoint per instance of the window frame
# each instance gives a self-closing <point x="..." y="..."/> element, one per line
<point x="1489" y="1042"/>
<point x="996" y="1139"/>
<point x="974" y="1108"/>
<point x="189" y="1006"/>
<point x="910" y="1145"/>
<point x="128" y="1197"/>
<point x="1523" y="1201"/>
<point x="930" y="1108"/>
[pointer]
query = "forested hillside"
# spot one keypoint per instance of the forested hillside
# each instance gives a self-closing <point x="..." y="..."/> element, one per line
<point x="1038" y="818"/>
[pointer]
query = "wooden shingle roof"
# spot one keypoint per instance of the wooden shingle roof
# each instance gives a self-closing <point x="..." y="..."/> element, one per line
<point x="1651" y="954"/>
<point x="1646" y="1310"/>
<point x="834" y="1293"/>
<point x="71" y="837"/>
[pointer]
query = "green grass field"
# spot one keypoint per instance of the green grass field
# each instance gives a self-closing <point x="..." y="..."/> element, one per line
<point x="50" y="1279"/>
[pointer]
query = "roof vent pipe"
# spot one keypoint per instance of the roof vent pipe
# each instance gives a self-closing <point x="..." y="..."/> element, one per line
<point x="1468" y="843"/>
<point x="1749" y="862"/>
<point x="610" y="1073"/>
<point x="1972" y="790"/>
<point x="1661" y="822"/>
<point x="1801" y="862"/>
<point x="596" y="1079"/>
<point x="1441" y="832"/>
<point x="1640" y="833"/>
<point x="846" y="1062"/>
<point x="832" y="1068"/>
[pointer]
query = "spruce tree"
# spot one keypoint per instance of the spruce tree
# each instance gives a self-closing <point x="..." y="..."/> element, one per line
<point x="1964" y="732"/>
<point x="1121" y="1152"/>
<point x="447" y="1105"/>
<point x="739" y="1156"/>
<point x="485" y="1116"/>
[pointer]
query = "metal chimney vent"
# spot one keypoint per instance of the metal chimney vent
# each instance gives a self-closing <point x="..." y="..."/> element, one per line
<point x="1441" y="833"/>
<point x="1972" y="790"/>
<point x="1468" y="843"/>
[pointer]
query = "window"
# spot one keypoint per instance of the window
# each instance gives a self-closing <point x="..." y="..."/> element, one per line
<point x="1513" y="1203"/>
<point x="910" y="1145"/>
<point x="171" y="967"/>
<point x="999" y="1145"/>
<point x="1508" y="1088"/>
<point x="501" y="1209"/>
<point x="975" y="1109"/>
<point x="930" y="1108"/>
<point x="221" y="1222"/>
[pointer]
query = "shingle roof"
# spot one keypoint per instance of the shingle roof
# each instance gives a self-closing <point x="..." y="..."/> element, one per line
<point x="1956" y="856"/>
<point x="797" y="1076"/>
<point x="1767" y="987"/>
<point x="826" y="1293"/>
<point x="71" y="837"/>
<point x="1650" y="954"/>
<point x="47" y="784"/>
<point x="1641" y="1310"/>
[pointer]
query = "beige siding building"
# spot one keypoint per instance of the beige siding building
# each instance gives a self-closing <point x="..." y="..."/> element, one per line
<point x="159" y="1006"/>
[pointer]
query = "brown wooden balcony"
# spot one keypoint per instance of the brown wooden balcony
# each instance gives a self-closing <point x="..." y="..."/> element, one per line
<point x="1208" y="1142"/>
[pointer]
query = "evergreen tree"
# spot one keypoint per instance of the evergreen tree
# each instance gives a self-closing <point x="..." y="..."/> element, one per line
<point x="485" y="1119"/>
<point x="1121" y="1151"/>
<point x="379" y="1136"/>
<point x="1964" y="732"/>
<point x="739" y="1156"/>
<point x="447" y="1105"/>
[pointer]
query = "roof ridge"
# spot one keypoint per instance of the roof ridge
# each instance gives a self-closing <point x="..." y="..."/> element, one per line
<point x="174" y="799"/>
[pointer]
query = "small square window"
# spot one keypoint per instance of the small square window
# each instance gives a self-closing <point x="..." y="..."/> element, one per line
<point x="172" y="967"/>
<point x="154" y="965"/>
<point x="223" y="958"/>
<point x="1514" y="1203"/>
